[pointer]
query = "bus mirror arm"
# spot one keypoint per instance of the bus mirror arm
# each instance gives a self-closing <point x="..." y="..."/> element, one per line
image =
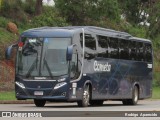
<point x="8" y="51"/>
<point x="69" y="52"/>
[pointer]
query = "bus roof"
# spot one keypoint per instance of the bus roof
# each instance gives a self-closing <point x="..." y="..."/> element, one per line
<point x="70" y="30"/>
<point x="47" y="32"/>
<point x="139" y="39"/>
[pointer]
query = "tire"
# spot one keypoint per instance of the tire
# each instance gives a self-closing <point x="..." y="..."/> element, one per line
<point x="39" y="103"/>
<point x="134" y="99"/>
<point x="135" y="96"/>
<point x="96" y="102"/>
<point x="85" y="98"/>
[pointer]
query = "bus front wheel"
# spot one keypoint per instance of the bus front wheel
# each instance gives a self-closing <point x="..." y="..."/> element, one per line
<point x="85" y="98"/>
<point x="39" y="103"/>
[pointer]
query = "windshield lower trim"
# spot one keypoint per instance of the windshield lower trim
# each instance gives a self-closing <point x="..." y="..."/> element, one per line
<point x="40" y="80"/>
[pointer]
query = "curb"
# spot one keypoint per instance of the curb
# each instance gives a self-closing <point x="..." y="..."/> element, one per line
<point x="16" y="102"/>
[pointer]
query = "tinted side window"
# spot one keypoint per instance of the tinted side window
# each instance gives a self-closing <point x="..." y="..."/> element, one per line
<point x="133" y="50"/>
<point x="103" y="41"/>
<point x="90" y="42"/>
<point x="140" y="51"/>
<point x="148" y="51"/>
<point x="90" y="47"/>
<point x="113" y="48"/>
<point x="103" y="46"/>
<point x="123" y="49"/>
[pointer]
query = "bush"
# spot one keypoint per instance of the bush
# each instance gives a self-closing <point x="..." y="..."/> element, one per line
<point x="48" y="18"/>
<point x="137" y="31"/>
<point x="29" y="7"/>
<point x="3" y="22"/>
<point x="156" y="81"/>
<point x="13" y="9"/>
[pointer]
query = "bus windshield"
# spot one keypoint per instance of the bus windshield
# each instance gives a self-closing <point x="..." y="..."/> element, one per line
<point x="44" y="57"/>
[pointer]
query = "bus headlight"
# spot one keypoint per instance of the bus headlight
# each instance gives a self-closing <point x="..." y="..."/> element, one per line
<point x="21" y="85"/>
<point x="60" y="85"/>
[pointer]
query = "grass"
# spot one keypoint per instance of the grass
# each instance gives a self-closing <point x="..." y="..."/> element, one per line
<point x="11" y="95"/>
<point x="7" y="95"/>
<point x="156" y="93"/>
<point x="7" y="37"/>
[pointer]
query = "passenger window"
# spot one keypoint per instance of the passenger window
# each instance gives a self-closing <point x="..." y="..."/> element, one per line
<point x="103" y="46"/>
<point x="123" y="49"/>
<point x="140" y="51"/>
<point x="148" y="51"/>
<point x="90" y="42"/>
<point x="113" y="48"/>
<point x="103" y="41"/>
<point x="133" y="50"/>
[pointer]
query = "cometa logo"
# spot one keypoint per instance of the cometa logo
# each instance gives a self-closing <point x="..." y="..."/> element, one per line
<point x="102" y="67"/>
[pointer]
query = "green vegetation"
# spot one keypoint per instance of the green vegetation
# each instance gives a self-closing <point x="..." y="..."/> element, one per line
<point x="7" y="95"/>
<point x="87" y="12"/>
<point x="49" y="17"/>
<point x="155" y="94"/>
<point x="6" y="37"/>
<point x="3" y="22"/>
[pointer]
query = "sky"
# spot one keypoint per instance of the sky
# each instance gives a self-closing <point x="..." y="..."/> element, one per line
<point x="48" y="2"/>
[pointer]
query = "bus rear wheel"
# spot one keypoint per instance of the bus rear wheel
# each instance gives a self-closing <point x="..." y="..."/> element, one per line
<point x="85" y="98"/>
<point x="39" y="103"/>
<point x="96" y="102"/>
<point x="134" y="99"/>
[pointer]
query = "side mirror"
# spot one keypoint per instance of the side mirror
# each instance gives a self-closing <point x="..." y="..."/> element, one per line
<point x="8" y="51"/>
<point x="69" y="53"/>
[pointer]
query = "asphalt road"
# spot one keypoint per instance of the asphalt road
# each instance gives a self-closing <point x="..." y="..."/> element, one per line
<point x="110" y="108"/>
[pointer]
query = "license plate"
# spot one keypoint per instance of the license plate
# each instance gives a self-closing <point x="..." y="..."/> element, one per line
<point x="38" y="92"/>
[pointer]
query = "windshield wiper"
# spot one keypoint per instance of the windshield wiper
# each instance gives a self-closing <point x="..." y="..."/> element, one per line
<point x="32" y="68"/>
<point x="47" y="66"/>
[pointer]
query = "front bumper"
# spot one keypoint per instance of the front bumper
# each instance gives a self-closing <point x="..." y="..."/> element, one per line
<point x="48" y="93"/>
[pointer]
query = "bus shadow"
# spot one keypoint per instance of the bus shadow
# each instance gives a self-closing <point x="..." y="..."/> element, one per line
<point x="74" y="105"/>
<point x="104" y="105"/>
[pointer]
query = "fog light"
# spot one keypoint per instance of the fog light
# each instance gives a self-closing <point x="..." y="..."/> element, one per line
<point x="63" y="94"/>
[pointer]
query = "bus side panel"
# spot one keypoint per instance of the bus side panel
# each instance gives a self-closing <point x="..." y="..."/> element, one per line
<point x="119" y="81"/>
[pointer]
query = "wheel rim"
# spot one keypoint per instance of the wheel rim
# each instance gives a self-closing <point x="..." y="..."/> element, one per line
<point x="86" y="95"/>
<point x="136" y="95"/>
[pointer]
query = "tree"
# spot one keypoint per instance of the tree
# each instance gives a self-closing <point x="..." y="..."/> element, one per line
<point x="134" y="10"/>
<point x="38" y="7"/>
<point x="83" y="12"/>
<point x="131" y="10"/>
<point x="0" y="3"/>
<point x="154" y="19"/>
